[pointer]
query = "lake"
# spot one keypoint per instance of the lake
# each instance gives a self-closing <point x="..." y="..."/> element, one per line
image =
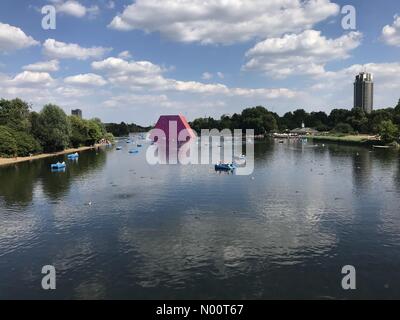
<point x="115" y="227"/>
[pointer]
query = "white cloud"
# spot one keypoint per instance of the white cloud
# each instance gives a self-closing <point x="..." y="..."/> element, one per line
<point x="304" y="53"/>
<point x="132" y="99"/>
<point x="61" y="50"/>
<point x="76" y="9"/>
<point x="13" y="38"/>
<point x="220" y="75"/>
<point x="44" y="66"/>
<point x="89" y="79"/>
<point x="72" y="8"/>
<point x="207" y="76"/>
<point x="144" y="75"/>
<point x="72" y="92"/>
<point x="125" y="55"/>
<point x="391" y="33"/>
<point x="222" y="21"/>
<point x="117" y="66"/>
<point x="32" y="78"/>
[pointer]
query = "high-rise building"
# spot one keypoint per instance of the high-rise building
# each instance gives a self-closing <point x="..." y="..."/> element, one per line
<point x="77" y="112"/>
<point x="364" y="92"/>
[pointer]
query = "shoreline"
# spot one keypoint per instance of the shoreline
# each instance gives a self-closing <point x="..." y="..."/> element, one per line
<point x="10" y="161"/>
<point x="362" y="140"/>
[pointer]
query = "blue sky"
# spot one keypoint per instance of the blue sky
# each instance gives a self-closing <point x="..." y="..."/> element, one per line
<point x="134" y="60"/>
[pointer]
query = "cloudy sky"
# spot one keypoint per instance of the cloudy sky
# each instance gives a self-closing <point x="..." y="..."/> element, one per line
<point x="127" y="60"/>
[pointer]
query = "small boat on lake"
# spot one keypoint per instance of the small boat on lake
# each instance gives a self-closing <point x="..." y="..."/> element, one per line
<point x="225" y="167"/>
<point x="58" y="165"/>
<point x="119" y="148"/>
<point x="133" y="151"/>
<point x="73" y="156"/>
<point x="380" y="147"/>
<point x="140" y="145"/>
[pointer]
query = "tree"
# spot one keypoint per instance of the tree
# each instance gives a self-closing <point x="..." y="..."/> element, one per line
<point x="388" y="131"/>
<point x="358" y="120"/>
<point x="15" y="114"/>
<point x="396" y="114"/>
<point x="94" y="132"/>
<point x="338" y="116"/>
<point x="343" y="128"/>
<point x="270" y="123"/>
<point x="53" y="128"/>
<point x="79" y="131"/>
<point x="376" y="118"/>
<point x="26" y="144"/>
<point x="8" y="144"/>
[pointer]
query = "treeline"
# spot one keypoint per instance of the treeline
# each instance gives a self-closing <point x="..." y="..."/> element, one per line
<point x="24" y="132"/>
<point x="384" y="122"/>
<point x="123" y="129"/>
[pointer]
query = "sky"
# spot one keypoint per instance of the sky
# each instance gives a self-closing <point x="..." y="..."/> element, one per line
<point x="133" y="61"/>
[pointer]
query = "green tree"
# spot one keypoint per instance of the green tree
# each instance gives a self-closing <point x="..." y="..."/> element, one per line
<point x="8" y="144"/>
<point x="376" y="118"/>
<point x="358" y="120"/>
<point x="338" y="116"/>
<point x="343" y="128"/>
<point x="79" y="131"/>
<point x="15" y="114"/>
<point x="94" y="132"/>
<point x="388" y="131"/>
<point x="396" y="114"/>
<point x="101" y="126"/>
<point x="53" y="128"/>
<point x="270" y="124"/>
<point x="26" y="144"/>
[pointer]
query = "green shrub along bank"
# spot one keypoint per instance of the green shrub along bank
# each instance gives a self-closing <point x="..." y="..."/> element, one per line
<point x="24" y="132"/>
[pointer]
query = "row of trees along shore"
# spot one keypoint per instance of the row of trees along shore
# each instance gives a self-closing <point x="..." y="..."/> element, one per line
<point x="24" y="132"/>
<point x="383" y="122"/>
<point x="124" y="129"/>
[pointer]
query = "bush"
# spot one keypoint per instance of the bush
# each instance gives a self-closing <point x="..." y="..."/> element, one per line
<point x="26" y="144"/>
<point x="109" y="137"/>
<point x="17" y="143"/>
<point x="8" y="144"/>
<point x="388" y="131"/>
<point x="343" y="128"/>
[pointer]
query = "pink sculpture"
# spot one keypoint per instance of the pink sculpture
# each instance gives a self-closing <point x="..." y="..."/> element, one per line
<point x="177" y="123"/>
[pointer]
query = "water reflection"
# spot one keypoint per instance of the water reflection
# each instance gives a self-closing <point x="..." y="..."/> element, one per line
<point x="189" y="232"/>
<point x="19" y="181"/>
<point x="362" y="169"/>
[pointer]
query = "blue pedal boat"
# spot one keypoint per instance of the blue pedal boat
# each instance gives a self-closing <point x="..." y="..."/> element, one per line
<point x="73" y="156"/>
<point x="58" y="165"/>
<point x="225" y="167"/>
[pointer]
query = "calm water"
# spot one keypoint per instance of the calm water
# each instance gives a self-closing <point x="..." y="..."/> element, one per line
<point x="188" y="232"/>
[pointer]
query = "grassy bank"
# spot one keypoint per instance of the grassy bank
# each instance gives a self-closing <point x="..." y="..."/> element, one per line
<point x="349" y="139"/>
<point x="9" y="161"/>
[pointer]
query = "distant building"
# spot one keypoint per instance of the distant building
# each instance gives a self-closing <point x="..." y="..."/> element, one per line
<point x="77" y="112"/>
<point x="364" y="92"/>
